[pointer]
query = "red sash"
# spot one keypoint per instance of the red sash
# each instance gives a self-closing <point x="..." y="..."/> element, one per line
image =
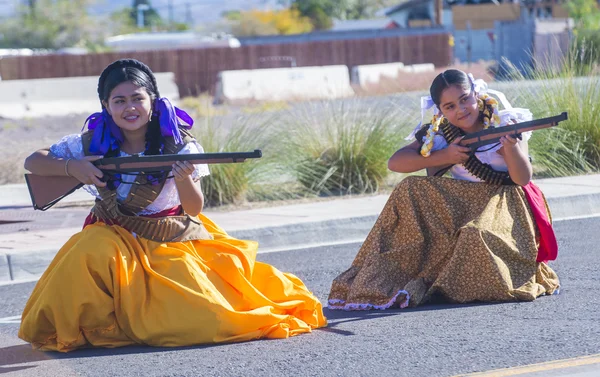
<point x="548" y="249"/>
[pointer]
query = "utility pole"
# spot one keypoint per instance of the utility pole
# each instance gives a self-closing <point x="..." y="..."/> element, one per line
<point x="188" y="15"/>
<point x="141" y="8"/>
<point x="31" y="4"/>
<point x="170" y="14"/>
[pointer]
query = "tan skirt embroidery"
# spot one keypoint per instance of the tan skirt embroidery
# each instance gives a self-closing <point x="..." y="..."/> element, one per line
<point x="466" y="241"/>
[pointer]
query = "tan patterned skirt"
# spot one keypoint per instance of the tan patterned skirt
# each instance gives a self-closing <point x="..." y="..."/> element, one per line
<point x="465" y="241"/>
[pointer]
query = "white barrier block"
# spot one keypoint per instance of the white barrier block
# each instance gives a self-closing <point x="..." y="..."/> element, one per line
<point x="61" y="96"/>
<point x="418" y="68"/>
<point x="282" y="84"/>
<point x="363" y="75"/>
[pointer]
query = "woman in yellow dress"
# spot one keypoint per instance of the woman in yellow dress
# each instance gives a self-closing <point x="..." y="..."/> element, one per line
<point x="483" y="235"/>
<point x="148" y="266"/>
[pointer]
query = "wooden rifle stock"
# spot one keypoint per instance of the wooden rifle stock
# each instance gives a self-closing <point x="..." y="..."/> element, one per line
<point x="493" y="135"/>
<point x="45" y="191"/>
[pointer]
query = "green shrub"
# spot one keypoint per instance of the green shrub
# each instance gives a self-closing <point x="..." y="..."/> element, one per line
<point x="340" y="148"/>
<point x="229" y="183"/>
<point x="573" y="147"/>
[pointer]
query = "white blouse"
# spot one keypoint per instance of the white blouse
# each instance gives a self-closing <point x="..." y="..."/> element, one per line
<point x="489" y="154"/>
<point x="71" y="146"/>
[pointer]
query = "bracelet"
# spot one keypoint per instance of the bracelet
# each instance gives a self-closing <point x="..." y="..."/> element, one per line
<point x="67" y="167"/>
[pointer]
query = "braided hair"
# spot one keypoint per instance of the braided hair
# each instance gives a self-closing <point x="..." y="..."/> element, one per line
<point x="139" y="74"/>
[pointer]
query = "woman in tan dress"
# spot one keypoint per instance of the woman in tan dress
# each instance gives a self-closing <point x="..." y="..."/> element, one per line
<point x="483" y="235"/>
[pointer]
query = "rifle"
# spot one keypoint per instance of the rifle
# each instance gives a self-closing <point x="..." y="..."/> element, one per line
<point x="46" y="191"/>
<point x="493" y="135"/>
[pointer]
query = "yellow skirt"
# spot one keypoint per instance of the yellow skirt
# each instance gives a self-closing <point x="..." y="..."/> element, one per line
<point x="109" y="288"/>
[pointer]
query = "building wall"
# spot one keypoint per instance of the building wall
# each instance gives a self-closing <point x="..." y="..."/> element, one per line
<point x="483" y="16"/>
<point x="401" y="17"/>
<point x="515" y="42"/>
<point x="482" y="45"/>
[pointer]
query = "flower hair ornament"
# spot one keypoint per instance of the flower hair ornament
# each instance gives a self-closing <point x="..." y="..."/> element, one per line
<point x="487" y="105"/>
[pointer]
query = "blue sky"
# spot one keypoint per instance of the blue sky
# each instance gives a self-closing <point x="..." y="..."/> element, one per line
<point x="200" y="10"/>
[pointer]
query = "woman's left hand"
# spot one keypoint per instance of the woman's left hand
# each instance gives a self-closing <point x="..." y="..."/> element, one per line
<point x="509" y="142"/>
<point x="182" y="170"/>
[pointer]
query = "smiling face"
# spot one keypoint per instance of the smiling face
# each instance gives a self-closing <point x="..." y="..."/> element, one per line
<point x="459" y="106"/>
<point x="130" y="107"/>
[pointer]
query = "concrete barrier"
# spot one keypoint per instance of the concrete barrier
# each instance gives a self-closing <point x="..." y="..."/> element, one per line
<point x="61" y="96"/>
<point x="418" y="68"/>
<point x="363" y="75"/>
<point x="281" y="84"/>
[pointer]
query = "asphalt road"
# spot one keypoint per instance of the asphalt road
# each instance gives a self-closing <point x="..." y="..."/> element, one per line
<point x="433" y="340"/>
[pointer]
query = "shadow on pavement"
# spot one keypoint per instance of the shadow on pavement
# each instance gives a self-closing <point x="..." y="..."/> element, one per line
<point x="15" y="369"/>
<point x="23" y="353"/>
<point x="359" y="315"/>
<point x="337" y="317"/>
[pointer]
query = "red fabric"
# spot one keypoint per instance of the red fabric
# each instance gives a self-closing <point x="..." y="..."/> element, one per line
<point x="548" y="249"/>
<point x="175" y="211"/>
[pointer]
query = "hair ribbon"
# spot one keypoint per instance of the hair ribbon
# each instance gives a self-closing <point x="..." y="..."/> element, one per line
<point x="426" y="104"/>
<point x="168" y="119"/>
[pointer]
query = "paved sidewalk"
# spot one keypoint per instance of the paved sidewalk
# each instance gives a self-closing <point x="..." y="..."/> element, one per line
<point x="27" y="247"/>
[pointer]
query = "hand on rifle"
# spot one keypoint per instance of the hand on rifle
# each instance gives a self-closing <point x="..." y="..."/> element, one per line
<point x="182" y="169"/>
<point x="85" y="172"/>
<point x="509" y="142"/>
<point x="455" y="153"/>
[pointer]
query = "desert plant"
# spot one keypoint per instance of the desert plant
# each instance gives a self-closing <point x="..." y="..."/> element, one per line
<point x="573" y="86"/>
<point x="230" y="183"/>
<point x="335" y="148"/>
<point x="202" y="106"/>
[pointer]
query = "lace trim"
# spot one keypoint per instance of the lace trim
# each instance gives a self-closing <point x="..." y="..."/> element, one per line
<point x="337" y="304"/>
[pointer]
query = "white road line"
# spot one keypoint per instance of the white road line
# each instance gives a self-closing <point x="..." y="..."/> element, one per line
<point x="10" y="320"/>
<point x="577" y="217"/>
<point x="20" y="281"/>
<point x="309" y="246"/>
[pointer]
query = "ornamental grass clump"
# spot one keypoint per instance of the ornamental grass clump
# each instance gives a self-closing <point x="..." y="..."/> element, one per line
<point x="230" y="183"/>
<point x="573" y="85"/>
<point x="338" y="148"/>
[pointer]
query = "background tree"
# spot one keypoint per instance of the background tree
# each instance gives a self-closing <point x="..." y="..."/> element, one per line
<point x="53" y="24"/>
<point x="256" y="22"/>
<point x="585" y="13"/>
<point x="151" y="16"/>
<point x="321" y="12"/>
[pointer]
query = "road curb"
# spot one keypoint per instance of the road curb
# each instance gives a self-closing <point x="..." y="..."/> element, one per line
<point x="576" y="205"/>
<point x="31" y="264"/>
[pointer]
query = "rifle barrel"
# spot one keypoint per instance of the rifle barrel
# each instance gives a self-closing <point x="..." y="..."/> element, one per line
<point x="492" y="135"/>
<point x="147" y="164"/>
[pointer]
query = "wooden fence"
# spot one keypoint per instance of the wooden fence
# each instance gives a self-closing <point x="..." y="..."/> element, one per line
<point x="196" y="69"/>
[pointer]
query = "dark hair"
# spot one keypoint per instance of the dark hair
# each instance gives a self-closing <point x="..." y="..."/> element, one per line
<point x="124" y="70"/>
<point x="445" y="80"/>
<point x="139" y="74"/>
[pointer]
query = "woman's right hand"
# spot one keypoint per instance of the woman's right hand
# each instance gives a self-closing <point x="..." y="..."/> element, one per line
<point x="455" y="153"/>
<point x="86" y="172"/>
